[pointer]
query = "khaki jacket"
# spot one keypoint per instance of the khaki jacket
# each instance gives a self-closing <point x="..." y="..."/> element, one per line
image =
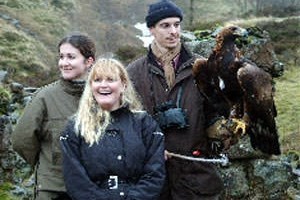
<point x="36" y="135"/>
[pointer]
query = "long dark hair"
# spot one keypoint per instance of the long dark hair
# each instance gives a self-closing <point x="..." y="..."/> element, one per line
<point x="83" y="43"/>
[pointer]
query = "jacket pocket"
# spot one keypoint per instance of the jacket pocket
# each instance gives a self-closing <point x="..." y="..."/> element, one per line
<point x="55" y="147"/>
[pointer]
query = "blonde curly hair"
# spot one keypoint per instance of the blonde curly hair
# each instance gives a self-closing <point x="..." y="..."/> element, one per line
<point x="90" y="120"/>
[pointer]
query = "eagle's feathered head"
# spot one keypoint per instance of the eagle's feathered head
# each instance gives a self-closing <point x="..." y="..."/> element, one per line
<point x="230" y="33"/>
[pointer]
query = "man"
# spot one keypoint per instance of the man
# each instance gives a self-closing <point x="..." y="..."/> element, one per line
<point x="163" y="78"/>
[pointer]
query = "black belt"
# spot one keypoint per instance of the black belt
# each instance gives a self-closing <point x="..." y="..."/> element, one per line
<point x="113" y="182"/>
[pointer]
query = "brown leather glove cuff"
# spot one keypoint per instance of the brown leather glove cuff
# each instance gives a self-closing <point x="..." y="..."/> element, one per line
<point x="218" y="130"/>
<point x="219" y="136"/>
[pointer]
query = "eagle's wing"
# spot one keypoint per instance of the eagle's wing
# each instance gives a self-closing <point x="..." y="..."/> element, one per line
<point x="260" y="110"/>
<point x="203" y="75"/>
<point x="208" y="84"/>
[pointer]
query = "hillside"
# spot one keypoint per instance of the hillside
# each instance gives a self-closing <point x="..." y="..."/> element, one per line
<point x="31" y="29"/>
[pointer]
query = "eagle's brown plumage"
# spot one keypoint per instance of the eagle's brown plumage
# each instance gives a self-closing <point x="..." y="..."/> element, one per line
<point x="239" y="90"/>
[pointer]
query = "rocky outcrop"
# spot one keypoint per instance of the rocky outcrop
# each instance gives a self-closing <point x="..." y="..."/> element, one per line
<point x="15" y="173"/>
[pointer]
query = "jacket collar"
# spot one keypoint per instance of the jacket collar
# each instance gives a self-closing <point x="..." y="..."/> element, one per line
<point x="73" y="87"/>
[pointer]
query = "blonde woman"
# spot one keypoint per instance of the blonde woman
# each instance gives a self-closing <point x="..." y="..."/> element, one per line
<point x="112" y="149"/>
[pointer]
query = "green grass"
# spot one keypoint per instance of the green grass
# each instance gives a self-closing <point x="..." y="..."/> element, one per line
<point x="4" y="194"/>
<point x="288" y="106"/>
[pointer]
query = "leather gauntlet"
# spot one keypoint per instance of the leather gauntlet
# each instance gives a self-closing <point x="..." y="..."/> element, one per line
<point x="223" y="134"/>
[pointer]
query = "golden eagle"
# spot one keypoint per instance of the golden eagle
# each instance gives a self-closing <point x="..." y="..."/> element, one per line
<point x="242" y="92"/>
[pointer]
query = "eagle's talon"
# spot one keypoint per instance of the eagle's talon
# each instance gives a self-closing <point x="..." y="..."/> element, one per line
<point x="240" y="126"/>
<point x="236" y="126"/>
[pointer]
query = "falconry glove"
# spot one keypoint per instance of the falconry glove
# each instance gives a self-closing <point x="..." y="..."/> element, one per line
<point x="222" y="135"/>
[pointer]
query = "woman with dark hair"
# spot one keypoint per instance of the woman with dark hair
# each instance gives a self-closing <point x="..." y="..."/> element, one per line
<point x="36" y="135"/>
<point x="111" y="148"/>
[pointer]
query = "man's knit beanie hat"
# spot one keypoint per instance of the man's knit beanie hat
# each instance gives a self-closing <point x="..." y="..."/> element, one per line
<point x="161" y="10"/>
